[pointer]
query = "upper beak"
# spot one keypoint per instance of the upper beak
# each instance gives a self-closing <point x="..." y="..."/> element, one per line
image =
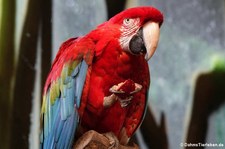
<point x="146" y="40"/>
<point x="151" y="31"/>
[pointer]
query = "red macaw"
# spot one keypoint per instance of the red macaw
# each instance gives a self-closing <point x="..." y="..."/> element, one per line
<point x="100" y="81"/>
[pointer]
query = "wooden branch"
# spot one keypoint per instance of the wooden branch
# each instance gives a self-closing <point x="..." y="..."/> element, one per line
<point x="95" y="140"/>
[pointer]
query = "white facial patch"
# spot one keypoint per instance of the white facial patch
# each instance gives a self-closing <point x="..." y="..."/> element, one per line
<point x="129" y="28"/>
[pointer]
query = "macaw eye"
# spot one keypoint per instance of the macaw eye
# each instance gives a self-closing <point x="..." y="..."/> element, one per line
<point x="128" y="21"/>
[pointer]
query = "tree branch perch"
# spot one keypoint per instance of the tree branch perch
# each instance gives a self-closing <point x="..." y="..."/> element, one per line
<point x="95" y="140"/>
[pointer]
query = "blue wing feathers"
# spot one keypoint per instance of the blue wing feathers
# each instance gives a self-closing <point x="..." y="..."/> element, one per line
<point x="59" y="124"/>
<point x="79" y="84"/>
<point x="61" y="118"/>
<point x="76" y="117"/>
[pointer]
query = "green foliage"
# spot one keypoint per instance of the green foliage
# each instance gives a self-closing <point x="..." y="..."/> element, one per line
<point x="218" y="63"/>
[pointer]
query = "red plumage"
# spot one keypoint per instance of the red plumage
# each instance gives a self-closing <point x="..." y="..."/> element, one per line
<point x="115" y="90"/>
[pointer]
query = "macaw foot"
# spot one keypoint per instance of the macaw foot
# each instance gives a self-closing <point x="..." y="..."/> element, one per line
<point x="114" y="142"/>
<point x="122" y="92"/>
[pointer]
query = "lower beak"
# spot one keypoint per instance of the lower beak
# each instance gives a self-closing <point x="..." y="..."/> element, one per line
<point x="151" y="33"/>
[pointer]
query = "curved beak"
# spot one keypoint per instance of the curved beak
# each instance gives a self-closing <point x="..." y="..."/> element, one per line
<point x="151" y="31"/>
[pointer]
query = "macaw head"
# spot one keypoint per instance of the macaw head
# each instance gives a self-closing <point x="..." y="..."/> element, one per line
<point x="139" y="30"/>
